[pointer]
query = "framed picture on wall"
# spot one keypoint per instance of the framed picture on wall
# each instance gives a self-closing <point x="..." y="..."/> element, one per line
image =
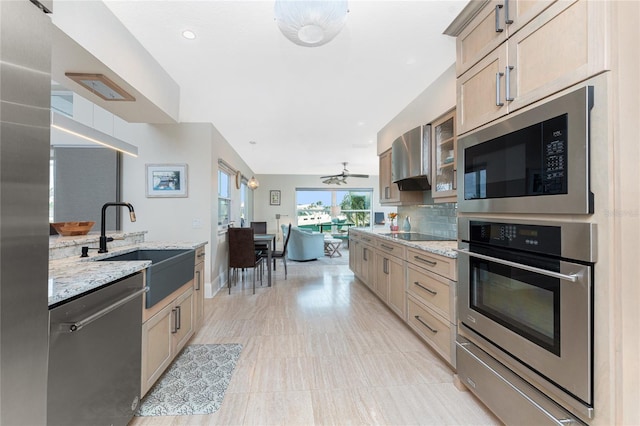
<point x="166" y="180"/>
<point x="274" y="198"/>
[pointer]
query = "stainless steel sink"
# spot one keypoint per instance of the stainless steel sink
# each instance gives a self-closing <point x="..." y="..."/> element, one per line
<point x="169" y="270"/>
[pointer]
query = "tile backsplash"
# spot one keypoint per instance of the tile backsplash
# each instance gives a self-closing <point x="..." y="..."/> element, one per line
<point x="434" y="219"/>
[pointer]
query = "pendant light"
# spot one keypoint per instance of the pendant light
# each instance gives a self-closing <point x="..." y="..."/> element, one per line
<point x="253" y="183"/>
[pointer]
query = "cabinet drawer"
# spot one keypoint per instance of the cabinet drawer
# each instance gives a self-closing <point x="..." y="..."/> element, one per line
<point x="368" y="239"/>
<point x="200" y="253"/>
<point x="441" y="265"/>
<point x="390" y="248"/>
<point x="432" y="290"/>
<point x="432" y="328"/>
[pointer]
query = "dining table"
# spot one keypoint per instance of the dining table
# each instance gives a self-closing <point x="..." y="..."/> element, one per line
<point x="268" y="241"/>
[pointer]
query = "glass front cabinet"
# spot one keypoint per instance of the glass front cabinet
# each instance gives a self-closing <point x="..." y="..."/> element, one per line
<point x="444" y="184"/>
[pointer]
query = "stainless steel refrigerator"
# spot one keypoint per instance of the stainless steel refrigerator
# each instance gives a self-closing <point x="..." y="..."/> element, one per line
<point x="25" y="97"/>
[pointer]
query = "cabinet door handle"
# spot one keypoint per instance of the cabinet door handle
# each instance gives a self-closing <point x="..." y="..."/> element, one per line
<point x="198" y="281"/>
<point x="422" y="259"/>
<point x="386" y="192"/>
<point x="431" y="329"/>
<point x="364" y="254"/>
<point x="174" y="329"/>
<point x="507" y="82"/>
<point x="384" y="246"/>
<point x="178" y="318"/>
<point x="428" y="290"/>
<point x="507" y="20"/>
<point x="385" y="266"/>
<point x="498" y="29"/>
<point x="498" y="75"/>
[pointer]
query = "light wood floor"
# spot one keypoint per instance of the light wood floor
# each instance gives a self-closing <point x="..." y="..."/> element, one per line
<point x="320" y="348"/>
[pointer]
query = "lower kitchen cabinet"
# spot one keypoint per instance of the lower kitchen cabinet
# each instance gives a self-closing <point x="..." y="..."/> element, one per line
<point x="361" y="259"/>
<point x="198" y="287"/>
<point x="165" y="334"/>
<point x="416" y="284"/>
<point x="434" y="329"/>
<point x="390" y="282"/>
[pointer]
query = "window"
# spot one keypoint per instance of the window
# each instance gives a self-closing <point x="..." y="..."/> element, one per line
<point x="317" y="207"/>
<point x="224" y="198"/>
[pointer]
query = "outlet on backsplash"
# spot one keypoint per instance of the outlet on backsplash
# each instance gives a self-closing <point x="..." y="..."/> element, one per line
<point x="437" y="219"/>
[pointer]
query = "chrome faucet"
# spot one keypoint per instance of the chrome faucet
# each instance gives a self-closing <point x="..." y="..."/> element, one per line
<point x="103" y="236"/>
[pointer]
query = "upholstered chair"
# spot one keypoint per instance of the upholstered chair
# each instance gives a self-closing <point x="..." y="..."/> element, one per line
<point x="305" y="245"/>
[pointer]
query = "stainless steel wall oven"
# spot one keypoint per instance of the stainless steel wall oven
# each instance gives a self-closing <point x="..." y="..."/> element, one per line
<point x="534" y="162"/>
<point x="525" y="303"/>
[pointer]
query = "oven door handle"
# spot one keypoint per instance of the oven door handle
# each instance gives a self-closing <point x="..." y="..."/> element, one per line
<point x="573" y="277"/>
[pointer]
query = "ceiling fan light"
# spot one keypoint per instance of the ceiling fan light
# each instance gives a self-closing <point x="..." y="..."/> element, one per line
<point x="311" y="23"/>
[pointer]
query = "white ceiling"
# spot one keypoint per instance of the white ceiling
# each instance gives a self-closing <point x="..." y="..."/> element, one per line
<point x="307" y="109"/>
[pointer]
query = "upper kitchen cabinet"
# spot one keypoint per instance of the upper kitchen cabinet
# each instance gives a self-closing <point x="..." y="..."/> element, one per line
<point x="443" y="187"/>
<point x="497" y="21"/>
<point x="389" y="192"/>
<point x="497" y="77"/>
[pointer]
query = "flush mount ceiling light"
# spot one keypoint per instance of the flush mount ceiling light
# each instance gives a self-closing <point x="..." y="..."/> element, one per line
<point x="311" y="23"/>
<point x="100" y="85"/>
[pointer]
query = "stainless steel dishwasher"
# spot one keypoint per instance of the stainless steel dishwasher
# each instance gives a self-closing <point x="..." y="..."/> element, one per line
<point x="95" y="355"/>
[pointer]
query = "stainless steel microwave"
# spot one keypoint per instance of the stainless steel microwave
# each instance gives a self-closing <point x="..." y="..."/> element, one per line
<point x="534" y="162"/>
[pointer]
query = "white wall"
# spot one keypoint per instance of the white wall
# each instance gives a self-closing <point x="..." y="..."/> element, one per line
<point x="434" y="101"/>
<point x="194" y="218"/>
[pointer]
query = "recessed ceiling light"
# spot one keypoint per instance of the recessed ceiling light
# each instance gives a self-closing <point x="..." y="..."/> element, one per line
<point x="411" y="61"/>
<point x="189" y="35"/>
<point x="360" y="123"/>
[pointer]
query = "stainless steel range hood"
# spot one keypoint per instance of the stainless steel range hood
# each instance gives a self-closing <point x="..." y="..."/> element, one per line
<point x="411" y="160"/>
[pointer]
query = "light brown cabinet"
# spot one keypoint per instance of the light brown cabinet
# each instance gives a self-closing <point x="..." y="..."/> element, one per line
<point x="389" y="275"/>
<point x="419" y="286"/>
<point x="515" y="68"/>
<point x="198" y="287"/>
<point x="431" y="300"/>
<point x="165" y="333"/>
<point x="391" y="281"/>
<point x="389" y="192"/>
<point x="169" y="324"/>
<point x="497" y="21"/>
<point x="444" y="184"/>
<point x="362" y="258"/>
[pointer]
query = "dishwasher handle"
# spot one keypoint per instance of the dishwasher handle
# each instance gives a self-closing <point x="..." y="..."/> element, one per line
<point x="78" y="325"/>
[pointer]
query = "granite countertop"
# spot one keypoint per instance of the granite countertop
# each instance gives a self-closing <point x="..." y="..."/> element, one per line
<point x="443" y="248"/>
<point x="73" y="276"/>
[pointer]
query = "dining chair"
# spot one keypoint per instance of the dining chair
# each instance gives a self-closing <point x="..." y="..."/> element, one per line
<point x="282" y="254"/>
<point x="259" y="227"/>
<point x="242" y="254"/>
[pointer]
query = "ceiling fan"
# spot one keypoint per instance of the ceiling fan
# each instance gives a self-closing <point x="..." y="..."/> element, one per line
<point x="341" y="178"/>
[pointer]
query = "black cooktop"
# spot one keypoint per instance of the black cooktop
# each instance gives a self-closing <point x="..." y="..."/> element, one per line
<point x="415" y="236"/>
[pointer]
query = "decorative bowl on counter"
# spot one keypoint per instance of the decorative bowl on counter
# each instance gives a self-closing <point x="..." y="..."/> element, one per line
<point x="67" y="229"/>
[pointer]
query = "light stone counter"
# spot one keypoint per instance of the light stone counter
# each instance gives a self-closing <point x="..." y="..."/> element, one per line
<point x="443" y="248"/>
<point x="73" y="276"/>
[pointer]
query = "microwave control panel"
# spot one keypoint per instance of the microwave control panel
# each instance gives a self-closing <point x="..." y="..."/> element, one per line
<point x="554" y="151"/>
